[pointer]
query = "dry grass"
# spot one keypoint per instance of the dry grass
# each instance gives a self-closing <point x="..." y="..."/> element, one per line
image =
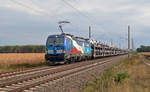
<point x="139" y="80"/>
<point x="145" y="53"/>
<point x="21" y="58"/>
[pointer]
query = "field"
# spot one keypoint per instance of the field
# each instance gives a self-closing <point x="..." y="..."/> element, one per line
<point x="131" y="75"/>
<point x="20" y="59"/>
<point x="146" y="53"/>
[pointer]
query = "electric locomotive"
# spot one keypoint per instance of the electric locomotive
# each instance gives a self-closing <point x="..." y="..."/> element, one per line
<point x="66" y="48"/>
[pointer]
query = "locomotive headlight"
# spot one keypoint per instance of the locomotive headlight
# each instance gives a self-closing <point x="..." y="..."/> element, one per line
<point x="46" y="51"/>
<point x="64" y="51"/>
<point x="50" y="51"/>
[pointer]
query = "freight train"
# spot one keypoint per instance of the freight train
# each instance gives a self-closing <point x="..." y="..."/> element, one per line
<point x="66" y="48"/>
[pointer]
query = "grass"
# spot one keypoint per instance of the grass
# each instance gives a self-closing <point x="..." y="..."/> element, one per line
<point x="120" y="77"/>
<point x="13" y="61"/>
<point x="131" y="75"/>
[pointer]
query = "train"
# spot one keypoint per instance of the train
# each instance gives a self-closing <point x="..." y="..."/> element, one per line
<point x="66" y="48"/>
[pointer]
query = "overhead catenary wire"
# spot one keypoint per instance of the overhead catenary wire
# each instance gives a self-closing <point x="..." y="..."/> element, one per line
<point x="104" y="34"/>
<point x="23" y="5"/>
<point x="49" y="14"/>
<point x="90" y="19"/>
<point x="79" y="12"/>
<point x="41" y="11"/>
<point x="52" y="12"/>
<point x="85" y="15"/>
<point x="33" y="9"/>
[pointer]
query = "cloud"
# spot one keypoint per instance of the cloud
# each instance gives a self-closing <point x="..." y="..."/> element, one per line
<point x="33" y="21"/>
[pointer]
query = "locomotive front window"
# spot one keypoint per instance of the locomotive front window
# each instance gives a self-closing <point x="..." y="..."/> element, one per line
<point x="55" y="41"/>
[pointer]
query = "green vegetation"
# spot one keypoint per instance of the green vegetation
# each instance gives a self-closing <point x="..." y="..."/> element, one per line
<point x="130" y="75"/>
<point x="143" y="49"/>
<point x="23" y="49"/>
<point x="120" y="77"/>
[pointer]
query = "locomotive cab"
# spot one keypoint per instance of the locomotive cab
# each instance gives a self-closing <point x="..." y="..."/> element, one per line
<point x="55" y="48"/>
<point x="66" y="48"/>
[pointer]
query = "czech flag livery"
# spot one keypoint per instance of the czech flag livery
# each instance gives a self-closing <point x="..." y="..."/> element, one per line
<point x="76" y="48"/>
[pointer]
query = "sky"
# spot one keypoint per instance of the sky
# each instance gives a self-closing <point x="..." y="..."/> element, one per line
<point x="29" y="22"/>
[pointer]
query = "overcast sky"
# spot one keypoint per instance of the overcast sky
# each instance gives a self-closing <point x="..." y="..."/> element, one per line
<point x="24" y="22"/>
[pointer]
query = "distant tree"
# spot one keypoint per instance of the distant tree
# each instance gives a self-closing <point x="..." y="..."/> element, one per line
<point x="23" y="49"/>
<point x="143" y="49"/>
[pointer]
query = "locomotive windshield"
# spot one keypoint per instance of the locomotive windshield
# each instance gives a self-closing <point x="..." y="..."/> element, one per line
<point x="55" y="41"/>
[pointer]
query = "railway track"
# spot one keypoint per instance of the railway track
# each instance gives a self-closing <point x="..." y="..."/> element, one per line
<point x="4" y="75"/>
<point x="17" y="72"/>
<point x="25" y="81"/>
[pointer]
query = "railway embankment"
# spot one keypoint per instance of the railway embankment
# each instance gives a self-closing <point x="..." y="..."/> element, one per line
<point x="130" y="75"/>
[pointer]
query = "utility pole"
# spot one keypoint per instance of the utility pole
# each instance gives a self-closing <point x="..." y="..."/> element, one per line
<point x="89" y="32"/>
<point x="132" y="45"/>
<point x="111" y="42"/>
<point x="128" y="41"/>
<point x="119" y="45"/>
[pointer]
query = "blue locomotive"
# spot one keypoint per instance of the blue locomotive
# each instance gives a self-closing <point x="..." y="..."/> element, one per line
<point x="66" y="48"/>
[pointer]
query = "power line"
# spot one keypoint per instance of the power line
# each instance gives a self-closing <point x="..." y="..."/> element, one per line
<point x="85" y="15"/>
<point x="26" y="6"/>
<point x="23" y="5"/>
<point x="81" y="13"/>
<point x="33" y="9"/>
<point x="47" y="13"/>
<point x="91" y="19"/>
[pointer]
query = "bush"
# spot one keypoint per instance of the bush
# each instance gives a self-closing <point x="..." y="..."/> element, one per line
<point x="120" y="77"/>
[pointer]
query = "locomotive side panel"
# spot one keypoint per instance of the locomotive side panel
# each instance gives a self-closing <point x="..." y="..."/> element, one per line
<point x="80" y="50"/>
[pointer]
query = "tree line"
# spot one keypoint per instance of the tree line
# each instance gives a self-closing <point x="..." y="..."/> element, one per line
<point x="23" y="49"/>
<point x="143" y="49"/>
